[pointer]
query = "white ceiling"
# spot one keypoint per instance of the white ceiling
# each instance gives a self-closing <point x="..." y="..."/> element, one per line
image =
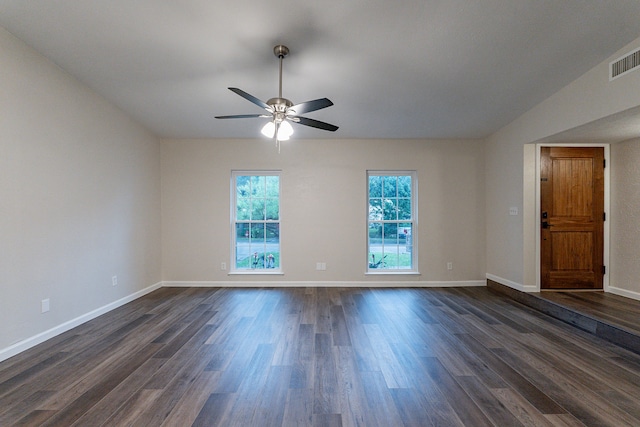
<point x="394" y="69"/>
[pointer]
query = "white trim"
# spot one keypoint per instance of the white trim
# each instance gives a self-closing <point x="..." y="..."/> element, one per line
<point x="256" y="272"/>
<point x="511" y="284"/>
<point x="538" y="220"/>
<point x="624" y="293"/>
<point x="333" y="284"/>
<point x="414" y="219"/>
<point x="392" y="273"/>
<point x="607" y="223"/>
<point x="235" y="173"/>
<point x="27" y="343"/>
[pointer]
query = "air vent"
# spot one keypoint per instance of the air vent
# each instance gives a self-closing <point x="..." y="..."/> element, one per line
<point x="624" y="65"/>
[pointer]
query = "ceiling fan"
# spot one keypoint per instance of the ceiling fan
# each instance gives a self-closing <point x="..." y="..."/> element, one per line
<point x="281" y="111"/>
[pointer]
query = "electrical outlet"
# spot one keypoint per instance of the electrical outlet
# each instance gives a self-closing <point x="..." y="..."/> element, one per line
<point x="449" y="266"/>
<point x="513" y="210"/>
<point x="114" y="280"/>
<point x="321" y="266"/>
<point x="44" y="305"/>
<point x="223" y="266"/>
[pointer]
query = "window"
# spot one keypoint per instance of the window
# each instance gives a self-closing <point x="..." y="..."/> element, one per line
<point x="392" y="223"/>
<point x="256" y="221"/>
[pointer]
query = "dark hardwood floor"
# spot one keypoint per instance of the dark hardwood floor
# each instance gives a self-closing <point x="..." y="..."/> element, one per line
<point x="322" y="357"/>
<point x="613" y="309"/>
<point x="605" y="315"/>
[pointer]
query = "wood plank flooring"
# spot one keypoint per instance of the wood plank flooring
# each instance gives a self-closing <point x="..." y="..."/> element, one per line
<point x="322" y="357"/>
<point x="605" y="315"/>
<point x="613" y="309"/>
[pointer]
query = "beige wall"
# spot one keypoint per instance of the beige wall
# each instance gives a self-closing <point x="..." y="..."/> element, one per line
<point x="323" y="207"/>
<point x="79" y="199"/>
<point x="591" y="97"/>
<point x="625" y="218"/>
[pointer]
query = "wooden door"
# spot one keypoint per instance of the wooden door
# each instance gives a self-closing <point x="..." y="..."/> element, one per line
<point x="572" y="217"/>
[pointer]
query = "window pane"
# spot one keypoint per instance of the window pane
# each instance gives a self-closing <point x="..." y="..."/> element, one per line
<point x="273" y="233"/>
<point x="242" y="192"/>
<point x="242" y="198"/>
<point x="272" y="246"/>
<point x="273" y="209"/>
<point x="243" y="188"/>
<point x="375" y="186"/>
<point x="375" y="232"/>
<point x="256" y="260"/>
<point x="404" y="186"/>
<point x="242" y="210"/>
<point x="390" y="258"/>
<point x="404" y="208"/>
<point x="404" y="231"/>
<point x="243" y="233"/>
<point x="258" y="186"/>
<point x="240" y="257"/>
<point x="390" y="233"/>
<point x="273" y="186"/>
<point x="257" y="209"/>
<point x="389" y="189"/>
<point x="390" y="209"/>
<point x="376" y="258"/>
<point x="405" y="246"/>
<point x="256" y="251"/>
<point x="375" y="209"/>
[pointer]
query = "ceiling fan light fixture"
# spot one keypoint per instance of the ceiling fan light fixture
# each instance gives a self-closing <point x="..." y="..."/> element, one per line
<point x="269" y="129"/>
<point x="284" y="130"/>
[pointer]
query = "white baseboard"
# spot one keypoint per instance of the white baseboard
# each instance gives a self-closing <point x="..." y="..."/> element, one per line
<point x="624" y="293"/>
<point x="57" y="330"/>
<point x="511" y="284"/>
<point x="334" y="284"/>
<point x="523" y="288"/>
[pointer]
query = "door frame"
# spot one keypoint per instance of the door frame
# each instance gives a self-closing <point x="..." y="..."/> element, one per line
<point x="607" y="199"/>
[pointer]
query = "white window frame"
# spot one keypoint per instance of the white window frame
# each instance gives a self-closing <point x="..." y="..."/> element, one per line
<point x="234" y="221"/>
<point x="414" y="223"/>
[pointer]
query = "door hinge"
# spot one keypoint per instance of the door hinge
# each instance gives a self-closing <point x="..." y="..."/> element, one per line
<point x="604" y="163"/>
<point x="604" y="216"/>
<point x="604" y="269"/>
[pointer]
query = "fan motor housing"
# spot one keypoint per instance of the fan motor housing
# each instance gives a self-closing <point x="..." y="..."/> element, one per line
<point x="279" y="104"/>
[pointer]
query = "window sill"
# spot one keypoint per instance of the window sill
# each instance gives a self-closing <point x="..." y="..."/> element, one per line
<point x="256" y="273"/>
<point x="392" y="273"/>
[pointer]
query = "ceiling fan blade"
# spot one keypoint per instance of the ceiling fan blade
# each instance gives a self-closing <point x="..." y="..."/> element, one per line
<point x="308" y="106"/>
<point x="313" y="123"/>
<point x="243" y="116"/>
<point x="250" y="98"/>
